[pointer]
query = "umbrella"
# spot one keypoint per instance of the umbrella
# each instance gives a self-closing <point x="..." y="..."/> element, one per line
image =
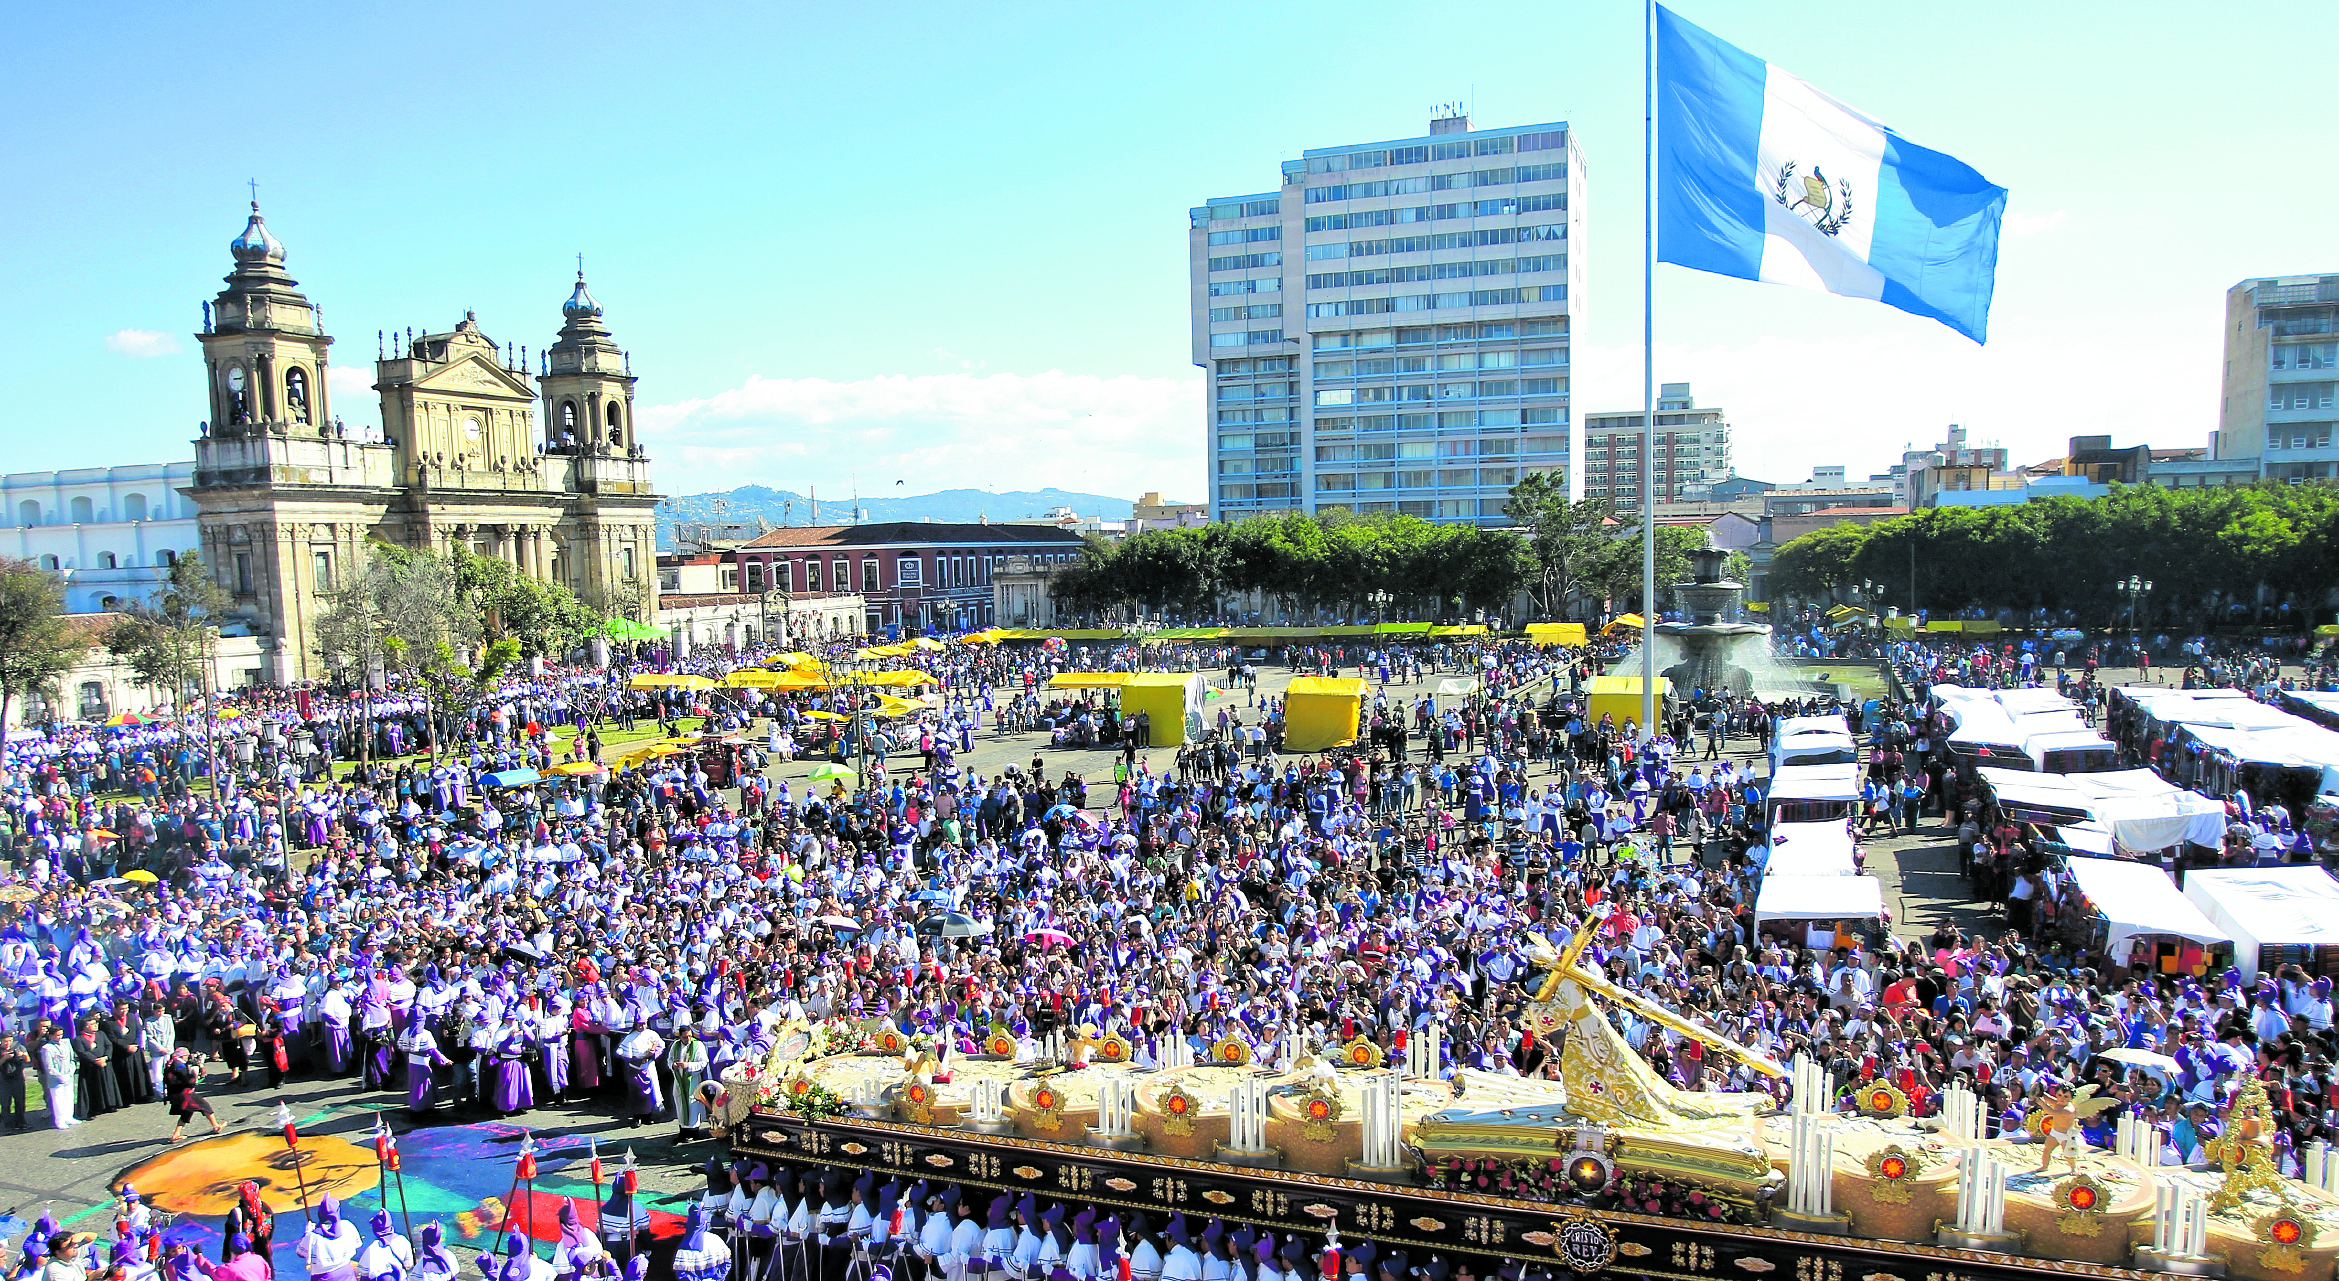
<point x="103" y="834"/>
<point x="109" y="883"/>
<point x="931" y="896"/>
<point x="18" y="893"/>
<point x="577" y="769"/>
<point x="125" y="718"/>
<point x="840" y="773"/>
<point x="1045" y="937"/>
<point x="953" y="925"/>
<point x="229" y="714"/>
<point x="511" y="778"/>
<point x="836" y="921"/>
<point x="818" y="715"/>
<point x="2141" y="1058"/>
<point x="1061" y="811"/>
<point x="142" y="876"/>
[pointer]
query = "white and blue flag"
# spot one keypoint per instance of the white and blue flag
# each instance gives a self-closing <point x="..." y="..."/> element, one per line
<point x="1763" y="177"/>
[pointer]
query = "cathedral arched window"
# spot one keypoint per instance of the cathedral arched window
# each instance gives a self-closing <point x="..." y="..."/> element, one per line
<point x="28" y="513"/>
<point x="134" y="507"/>
<point x="83" y="513"/>
<point x="568" y="415"/>
<point x="106" y="560"/>
<point x="296" y="393"/>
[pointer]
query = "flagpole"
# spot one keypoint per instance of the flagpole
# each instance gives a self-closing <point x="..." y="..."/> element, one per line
<point x="1648" y="368"/>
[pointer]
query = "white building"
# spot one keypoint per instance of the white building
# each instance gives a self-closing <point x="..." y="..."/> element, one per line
<point x="1389" y="331"/>
<point x="2281" y="402"/>
<point x="110" y="532"/>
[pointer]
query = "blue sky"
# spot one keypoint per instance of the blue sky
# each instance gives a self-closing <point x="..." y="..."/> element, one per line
<point x="945" y="244"/>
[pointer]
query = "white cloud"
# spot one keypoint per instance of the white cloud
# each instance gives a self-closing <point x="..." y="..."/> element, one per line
<point x="141" y="344"/>
<point x="1119" y="436"/>
<point x="2021" y="224"/>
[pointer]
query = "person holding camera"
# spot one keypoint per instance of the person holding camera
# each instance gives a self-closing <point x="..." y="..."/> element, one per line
<point x="181" y="1074"/>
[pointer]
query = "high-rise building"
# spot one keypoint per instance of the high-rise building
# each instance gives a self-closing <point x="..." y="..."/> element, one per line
<point x="2281" y="376"/>
<point x="1691" y="448"/>
<point x="1389" y="331"/>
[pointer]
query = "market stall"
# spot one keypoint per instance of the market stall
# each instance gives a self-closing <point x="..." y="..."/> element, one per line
<point x="1850" y="900"/>
<point x="2146" y="920"/>
<point x="1618" y="698"/>
<point x="1171" y="702"/>
<point x="1798" y="851"/>
<point x="1321" y="712"/>
<point x="2140" y="810"/>
<point x="2275" y="916"/>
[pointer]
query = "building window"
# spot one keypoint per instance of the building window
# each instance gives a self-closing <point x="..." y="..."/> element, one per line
<point x="812" y="574"/>
<point x="28" y="514"/>
<point x="49" y="563"/>
<point x="840" y="575"/>
<point x="134" y="507"/>
<point x="82" y="514"/>
<point x="106" y="560"/>
<point x="616" y="420"/>
<point x="568" y="418"/>
<point x="324" y="575"/>
<point x="629" y="575"/>
<point x="166" y="558"/>
<point x="93" y="700"/>
<point x="243" y="573"/>
<point x="755" y="577"/>
<point x="669" y="580"/>
<point x="907" y="573"/>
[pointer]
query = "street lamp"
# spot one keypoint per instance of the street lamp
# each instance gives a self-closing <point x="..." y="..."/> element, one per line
<point x="2136" y="588"/>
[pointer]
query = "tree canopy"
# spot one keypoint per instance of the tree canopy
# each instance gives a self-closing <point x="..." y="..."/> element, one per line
<point x="2200" y="549"/>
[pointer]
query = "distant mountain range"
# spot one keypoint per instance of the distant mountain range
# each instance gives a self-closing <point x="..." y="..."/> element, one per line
<point x="746" y="504"/>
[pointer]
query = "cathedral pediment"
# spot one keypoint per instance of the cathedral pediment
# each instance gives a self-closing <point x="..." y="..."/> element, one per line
<point x="475" y="374"/>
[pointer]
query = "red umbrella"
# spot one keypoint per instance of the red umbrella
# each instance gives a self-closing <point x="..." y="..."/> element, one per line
<point x="1045" y="937"/>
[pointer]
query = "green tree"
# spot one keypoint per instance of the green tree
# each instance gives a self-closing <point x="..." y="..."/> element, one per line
<point x="1818" y="563"/>
<point x="168" y="639"/>
<point x="1569" y="540"/>
<point x="450" y="686"/>
<point x="544" y="618"/>
<point x="37" y="647"/>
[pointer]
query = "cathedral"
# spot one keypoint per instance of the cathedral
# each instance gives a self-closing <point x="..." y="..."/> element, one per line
<point x="286" y="498"/>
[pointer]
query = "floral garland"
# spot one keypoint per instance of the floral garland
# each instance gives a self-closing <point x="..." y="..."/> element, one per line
<point x="1546" y="1180"/>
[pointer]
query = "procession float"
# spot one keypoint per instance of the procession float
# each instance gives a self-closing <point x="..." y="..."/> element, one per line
<point x="1609" y="1169"/>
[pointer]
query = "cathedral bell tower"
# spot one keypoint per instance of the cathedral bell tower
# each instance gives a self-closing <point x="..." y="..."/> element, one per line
<point x="586" y="386"/>
<point x="264" y="346"/>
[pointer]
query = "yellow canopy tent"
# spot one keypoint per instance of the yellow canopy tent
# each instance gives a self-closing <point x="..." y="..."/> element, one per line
<point x="1556" y="633"/>
<point x="758" y="678"/>
<point x="1166" y="697"/>
<point x="890" y="705"/>
<point x="669" y="680"/>
<point x="1624" y="622"/>
<point x="1088" y="680"/>
<point x="1620" y="697"/>
<point x="903" y="679"/>
<point x="793" y="658"/>
<point x="1321" y="712"/>
<point x="927" y="642"/>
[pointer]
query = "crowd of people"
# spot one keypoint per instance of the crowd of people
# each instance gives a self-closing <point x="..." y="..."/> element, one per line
<point x="281" y="885"/>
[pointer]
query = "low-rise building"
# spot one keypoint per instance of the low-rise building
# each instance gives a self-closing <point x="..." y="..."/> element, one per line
<point x="912" y="577"/>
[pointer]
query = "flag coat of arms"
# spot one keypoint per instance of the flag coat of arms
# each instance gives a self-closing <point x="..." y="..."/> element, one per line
<point x="1763" y="177"/>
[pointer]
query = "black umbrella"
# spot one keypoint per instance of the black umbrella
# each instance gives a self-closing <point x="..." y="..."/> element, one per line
<point x="953" y="925"/>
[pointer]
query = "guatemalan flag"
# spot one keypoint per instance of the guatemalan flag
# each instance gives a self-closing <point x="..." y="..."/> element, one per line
<point x="1763" y="177"/>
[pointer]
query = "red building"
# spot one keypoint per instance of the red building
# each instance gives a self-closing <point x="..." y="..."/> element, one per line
<point x="915" y="577"/>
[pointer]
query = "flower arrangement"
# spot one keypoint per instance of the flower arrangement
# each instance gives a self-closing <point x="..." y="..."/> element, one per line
<point x="814" y="1101"/>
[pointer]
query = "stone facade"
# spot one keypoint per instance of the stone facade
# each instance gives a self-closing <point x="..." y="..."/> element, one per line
<point x="287" y="499"/>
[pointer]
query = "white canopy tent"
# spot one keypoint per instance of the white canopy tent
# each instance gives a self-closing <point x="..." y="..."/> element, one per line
<point x="2141" y="810"/>
<point x="2265" y="907"/>
<point x="1808" y="849"/>
<point x="1816" y="783"/>
<point x="1457" y="687"/>
<point x="2137" y="898"/>
<point x="1819" y="898"/>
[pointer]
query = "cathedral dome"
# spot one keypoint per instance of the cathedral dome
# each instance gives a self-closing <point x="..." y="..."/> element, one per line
<point x="580" y="302"/>
<point x="256" y="245"/>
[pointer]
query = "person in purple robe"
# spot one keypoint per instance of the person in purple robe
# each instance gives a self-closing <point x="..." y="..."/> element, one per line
<point x="637" y="1055"/>
<point x="552" y="1044"/>
<point x="513" y="1091"/>
<point x="423" y="1058"/>
<point x="433" y="1261"/>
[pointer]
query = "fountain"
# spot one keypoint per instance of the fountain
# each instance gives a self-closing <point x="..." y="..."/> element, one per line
<point x="1716" y="648"/>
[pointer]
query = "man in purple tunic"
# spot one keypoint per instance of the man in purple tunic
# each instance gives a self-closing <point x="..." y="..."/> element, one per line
<point x="638" y="1053"/>
<point x="513" y="1091"/>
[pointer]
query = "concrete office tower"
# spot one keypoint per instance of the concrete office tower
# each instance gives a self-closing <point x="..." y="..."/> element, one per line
<point x="2281" y="373"/>
<point x="1389" y="331"/>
